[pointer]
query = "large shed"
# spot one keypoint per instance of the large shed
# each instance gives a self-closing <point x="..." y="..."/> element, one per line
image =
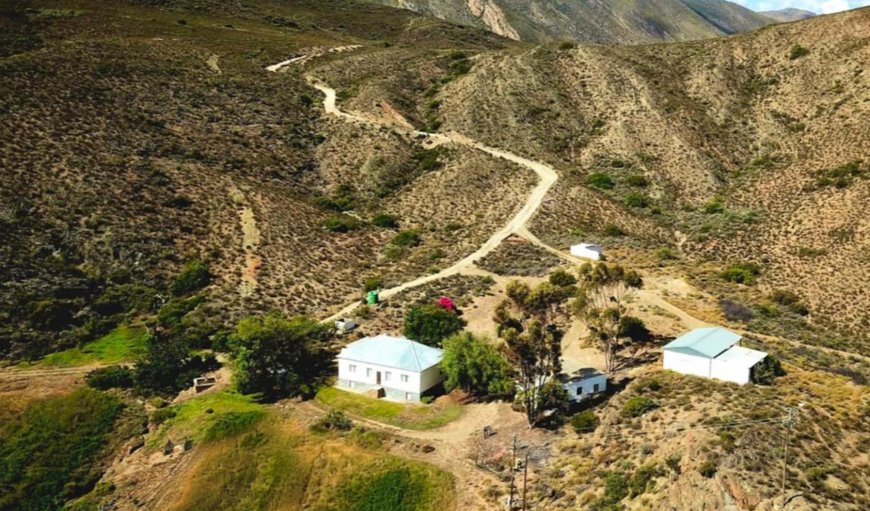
<point x="712" y="352"/>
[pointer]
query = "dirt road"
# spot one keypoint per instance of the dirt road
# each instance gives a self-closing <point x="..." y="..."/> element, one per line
<point x="547" y="177"/>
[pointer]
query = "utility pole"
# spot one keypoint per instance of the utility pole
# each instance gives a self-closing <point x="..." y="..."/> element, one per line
<point x="788" y="423"/>
<point x="513" y="472"/>
<point x="525" y="479"/>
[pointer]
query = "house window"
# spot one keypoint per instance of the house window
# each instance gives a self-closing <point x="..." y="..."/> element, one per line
<point x="407" y="396"/>
<point x="404" y="378"/>
<point x="368" y="372"/>
<point x="351" y="368"/>
<point x="579" y="391"/>
<point x="387" y="376"/>
<point x="595" y="388"/>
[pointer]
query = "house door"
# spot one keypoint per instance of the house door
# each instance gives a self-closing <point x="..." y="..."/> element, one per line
<point x="378" y="378"/>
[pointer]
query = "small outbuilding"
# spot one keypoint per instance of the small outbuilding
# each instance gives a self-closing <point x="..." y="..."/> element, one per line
<point x="588" y="251"/>
<point x="396" y="368"/>
<point x="712" y="352"/>
<point x="584" y="384"/>
<point x="345" y="326"/>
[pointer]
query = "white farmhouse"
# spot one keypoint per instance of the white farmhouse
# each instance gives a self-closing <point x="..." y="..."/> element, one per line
<point x="712" y="353"/>
<point x="584" y="384"/>
<point x="587" y="251"/>
<point x="393" y="367"/>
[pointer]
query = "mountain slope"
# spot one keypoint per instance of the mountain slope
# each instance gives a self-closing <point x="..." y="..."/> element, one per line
<point x="612" y="21"/>
<point x="789" y="14"/>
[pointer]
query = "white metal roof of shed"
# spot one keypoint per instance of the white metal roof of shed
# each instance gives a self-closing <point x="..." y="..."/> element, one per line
<point x="704" y="342"/>
<point x="738" y="356"/>
<point x="389" y="351"/>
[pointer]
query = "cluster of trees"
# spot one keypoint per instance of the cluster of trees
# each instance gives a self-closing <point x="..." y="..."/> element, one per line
<point x="531" y="326"/>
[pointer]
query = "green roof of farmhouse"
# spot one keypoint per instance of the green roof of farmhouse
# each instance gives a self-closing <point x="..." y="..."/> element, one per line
<point x="389" y="351"/>
<point x="704" y="342"/>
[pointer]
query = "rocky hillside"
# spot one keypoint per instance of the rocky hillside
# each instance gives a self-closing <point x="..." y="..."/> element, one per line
<point x="790" y="14"/>
<point x="749" y="149"/>
<point x="611" y="21"/>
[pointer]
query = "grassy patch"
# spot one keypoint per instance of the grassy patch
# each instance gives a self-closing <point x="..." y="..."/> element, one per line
<point x="397" y="414"/>
<point x="47" y="451"/>
<point x="395" y="485"/>
<point x="209" y="417"/>
<point x="123" y="344"/>
<point x="279" y="465"/>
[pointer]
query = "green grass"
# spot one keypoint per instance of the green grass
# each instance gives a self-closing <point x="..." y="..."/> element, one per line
<point x="396" y="485"/>
<point x="210" y="417"/>
<point x="402" y="415"/>
<point x="47" y="451"/>
<point x="123" y="344"/>
<point x="279" y="464"/>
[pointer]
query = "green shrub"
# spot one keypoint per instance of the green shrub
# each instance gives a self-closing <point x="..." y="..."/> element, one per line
<point x="334" y="420"/>
<point x="636" y="406"/>
<point x="767" y="370"/>
<point x="430" y="324"/>
<point x="789" y="300"/>
<point x="673" y="463"/>
<point x="372" y="284"/>
<point x="567" y="45"/>
<point x="409" y="238"/>
<point x="194" y="276"/>
<point x="385" y="221"/>
<point x="637" y="181"/>
<point x="714" y="207"/>
<point x="613" y="230"/>
<point x="708" y="469"/>
<point x="114" y="377"/>
<point x="667" y="254"/>
<point x="341" y="223"/>
<point x="637" y="200"/>
<point x="584" y="422"/>
<point x="562" y="278"/>
<point x="742" y="273"/>
<point x="600" y="180"/>
<point x="797" y="51"/>
<point x="428" y="159"/>
<point x="642" y="479"/>
<point x="615" y="489"/>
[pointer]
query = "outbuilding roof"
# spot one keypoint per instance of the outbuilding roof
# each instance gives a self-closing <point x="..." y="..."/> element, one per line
<point x="389" y="351"/>
<point x="738" y="356"/>
<point x="704" y="342"/>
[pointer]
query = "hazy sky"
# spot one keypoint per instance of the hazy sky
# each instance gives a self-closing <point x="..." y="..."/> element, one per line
<point x="817" y="6"/>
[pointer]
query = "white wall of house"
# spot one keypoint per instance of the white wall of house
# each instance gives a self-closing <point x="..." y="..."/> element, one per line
<point x="392" y="378"/>
<point x="687" y="364"/>
<point x="587" y="387"/>
<point x="430" y="377"/>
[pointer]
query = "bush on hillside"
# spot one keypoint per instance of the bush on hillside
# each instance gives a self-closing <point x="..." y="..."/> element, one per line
<point x="194" y="276"/>
<point x="601" y="181"/>
<point x="562" y="278"/>
<point x="430" y="324"/>
<point x="584" y="422"/>
<point x="636" y="406"/>
<point x="741" y="273"/>
<point x="114" y="377"/>
<point x="797" y="51"/>
<point x="409" y="238"/>
<point x="334" y="420"/>
<point x="767" y="370"/>
<point x="385" y="221"/>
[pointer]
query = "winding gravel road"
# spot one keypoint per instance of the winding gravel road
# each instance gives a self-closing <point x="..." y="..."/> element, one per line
<point x="547" y="176"/>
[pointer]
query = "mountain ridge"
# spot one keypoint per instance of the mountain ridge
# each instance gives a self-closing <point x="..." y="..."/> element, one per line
<point x="614" y="21"/>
